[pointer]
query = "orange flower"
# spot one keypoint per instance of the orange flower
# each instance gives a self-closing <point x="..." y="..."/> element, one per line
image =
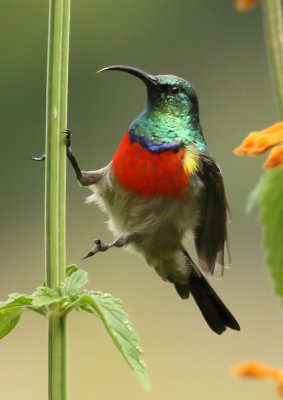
<point x="244" y="5"/>
<point x="257" y="143"/>
<point x="261" y="371"/>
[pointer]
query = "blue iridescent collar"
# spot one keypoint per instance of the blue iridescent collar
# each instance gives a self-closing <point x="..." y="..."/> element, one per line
<point x="157" y="148"/>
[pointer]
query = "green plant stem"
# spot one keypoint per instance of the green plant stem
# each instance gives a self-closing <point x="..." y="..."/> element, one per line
<point x="273" y="25"/>
<point x="52" y="143"/>
<point x="57" y="377"/>
<point x="63" y="126"/>
<point x="55" y="185"/>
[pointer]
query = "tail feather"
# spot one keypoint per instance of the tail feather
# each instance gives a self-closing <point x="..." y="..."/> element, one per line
<point x="214" y="311"/>
<point x="211" y="306"/>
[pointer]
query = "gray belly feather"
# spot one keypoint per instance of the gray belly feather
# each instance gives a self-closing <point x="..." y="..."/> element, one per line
<point x="156" y="224"/>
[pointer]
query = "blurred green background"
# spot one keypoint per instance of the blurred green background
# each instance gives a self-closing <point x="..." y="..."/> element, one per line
<point x="222" y="53"/>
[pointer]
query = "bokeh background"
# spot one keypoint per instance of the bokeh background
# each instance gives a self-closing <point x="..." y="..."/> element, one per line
<point x="222" y="53"/>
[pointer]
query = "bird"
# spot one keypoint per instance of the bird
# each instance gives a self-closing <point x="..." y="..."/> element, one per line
<point x="161" y="185"/>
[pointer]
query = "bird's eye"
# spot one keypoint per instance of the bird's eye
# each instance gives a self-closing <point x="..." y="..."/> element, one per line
<point x="175" y="90"/>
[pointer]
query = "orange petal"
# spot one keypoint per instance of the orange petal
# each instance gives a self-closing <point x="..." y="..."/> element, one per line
<point x="257" y="370"/>
<point x="280" y="387"/>
<point x="275" y="158"/>
<point x="258" y="142"/>
<point x="244" y="5"/>
<point x="261" y="371"/>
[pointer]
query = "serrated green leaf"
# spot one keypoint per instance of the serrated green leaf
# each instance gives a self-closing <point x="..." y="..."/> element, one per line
<point x="44" y="296"/>
<point x="16" y="300"/>
<point x="270" y="194"/>
<point x="70" y="269"/>
<point x="9" y="318"/>
<point x="11" y="312"/>
<point x="88" y="308"/>
<point x="119" y="327"/>
<point x="72" y="284"/>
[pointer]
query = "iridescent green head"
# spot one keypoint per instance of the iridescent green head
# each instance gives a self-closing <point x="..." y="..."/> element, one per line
<point x="173" y="95"/>
<point x="172" y="113"/>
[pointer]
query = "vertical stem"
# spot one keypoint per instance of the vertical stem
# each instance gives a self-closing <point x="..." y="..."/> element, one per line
<point x="63" y="126"/>
<point x="55" y="185"/>
<point x="273" y="24"/>
<point x="52" y="143"/>
<point x="57" y="383"/>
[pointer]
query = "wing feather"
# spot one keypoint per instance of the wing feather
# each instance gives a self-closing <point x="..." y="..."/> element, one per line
<point x="210" y="235"/>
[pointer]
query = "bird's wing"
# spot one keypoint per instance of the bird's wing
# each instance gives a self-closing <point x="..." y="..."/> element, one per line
<point x="210" y="235"/>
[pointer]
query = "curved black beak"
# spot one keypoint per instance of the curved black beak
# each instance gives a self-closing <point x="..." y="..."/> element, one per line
<point x="149" y="80"/>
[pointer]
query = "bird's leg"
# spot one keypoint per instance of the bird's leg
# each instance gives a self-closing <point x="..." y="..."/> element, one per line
<point x="86" y="178"/>
<point x="99" y="246"/>
<point x="71" y="156"/>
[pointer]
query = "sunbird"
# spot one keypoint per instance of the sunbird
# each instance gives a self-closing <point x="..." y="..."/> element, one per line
<point x="162" y="184"/>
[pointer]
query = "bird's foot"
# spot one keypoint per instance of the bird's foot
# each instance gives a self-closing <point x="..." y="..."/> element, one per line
<point x="41" y="158"/>
<point x="99" y="246"/>
<point x="67" y="132"/>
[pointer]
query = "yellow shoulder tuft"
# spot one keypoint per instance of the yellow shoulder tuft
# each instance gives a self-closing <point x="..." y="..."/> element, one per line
<point x="191" y="160"/>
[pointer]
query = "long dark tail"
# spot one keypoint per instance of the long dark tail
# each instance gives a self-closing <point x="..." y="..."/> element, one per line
<point x="211" y="306"/>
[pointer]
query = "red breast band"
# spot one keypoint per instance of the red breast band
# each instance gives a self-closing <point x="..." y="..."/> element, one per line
<point x="148" y="173"/>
